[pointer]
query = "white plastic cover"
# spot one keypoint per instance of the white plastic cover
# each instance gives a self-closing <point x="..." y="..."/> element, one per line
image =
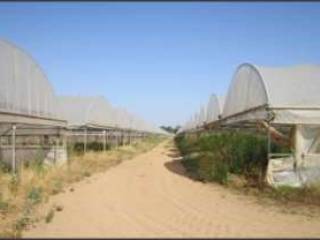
<point x="289" y="91"/>
<point x="79" y="111"/>
<point x="214" y="108"/>
<point x="303" y="167"/>
<point x="202" y="116"/>
<point x="24" y="86"/>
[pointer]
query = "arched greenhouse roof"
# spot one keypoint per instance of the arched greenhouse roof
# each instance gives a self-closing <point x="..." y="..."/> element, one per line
<point x="83" y="110"/>
<point x="214" y="108"/>
<point x="25" y="89"/>
<point x="284" y="90"/>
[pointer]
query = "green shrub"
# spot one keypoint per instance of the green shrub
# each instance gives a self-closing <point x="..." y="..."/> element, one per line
<point x="78" y="147"/>
<point x="237" y="152"/>
<point x="35" y="195"/>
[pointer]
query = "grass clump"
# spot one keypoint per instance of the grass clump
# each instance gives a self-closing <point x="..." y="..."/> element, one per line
<point x="35" y="195"/>
<point x="50" y="215"/>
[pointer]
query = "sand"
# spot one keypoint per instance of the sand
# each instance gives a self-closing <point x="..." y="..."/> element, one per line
<point x="150" y="196"/>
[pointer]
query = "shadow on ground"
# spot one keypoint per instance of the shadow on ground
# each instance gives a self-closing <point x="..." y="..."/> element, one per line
<point x="173" y="153"/>
<point x="176" y="167"/>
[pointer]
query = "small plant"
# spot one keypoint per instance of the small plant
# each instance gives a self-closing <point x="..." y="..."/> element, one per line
<point x="14" y="184"/>
<point x="95" y="146"/>
<point x="78" y="148"/>
<point x="86" y="174"/>
<point x="4" y="168"/>
<point x="21" y="224"/>
<point x="35" y="195"/>
<point x="57" y="186"/>
<point x="50" y="215"/>
<point x="4" y="205"/>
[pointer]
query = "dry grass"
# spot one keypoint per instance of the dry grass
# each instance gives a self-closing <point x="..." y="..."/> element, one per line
<point x="21" y="198"/>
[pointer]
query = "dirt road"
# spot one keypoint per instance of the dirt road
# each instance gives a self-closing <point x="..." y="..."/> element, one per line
<point x="149" y="196"/>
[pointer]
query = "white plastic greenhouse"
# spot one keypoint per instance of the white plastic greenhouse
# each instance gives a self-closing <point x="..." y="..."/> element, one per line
<point x="284" y="98"/>
<point x="29" y="120"/>
<point x="281" y="97"/>
<point x="208" y="115"/>
<point x="82" y="111"/>
<point x="26" y="96"/>
<point x="35" y="123"/>
<point x="214" y="109"/>
<point x="93" y="119"/>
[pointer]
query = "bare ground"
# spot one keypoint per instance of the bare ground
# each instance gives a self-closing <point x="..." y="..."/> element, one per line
<point x="150" y="196"/>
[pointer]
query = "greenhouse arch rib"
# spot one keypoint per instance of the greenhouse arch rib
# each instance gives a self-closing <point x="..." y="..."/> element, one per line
<point x="237" y="102"/>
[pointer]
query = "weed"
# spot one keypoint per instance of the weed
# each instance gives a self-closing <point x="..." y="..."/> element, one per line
<point x="13" y="184"/>
<point x="20" y="224"/>
<point x="57" y="186"/>
<point x="35" y="195"/>
<point x="4" y="206"/>
<point x="50" y="215"/>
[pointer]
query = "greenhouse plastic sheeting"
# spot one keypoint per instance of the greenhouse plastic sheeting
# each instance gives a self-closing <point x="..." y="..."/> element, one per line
<point x="303" y="167"/>
<point x="79" y="111"/>
<point x="214" y="108"/>
<point x="297" y="116"/>
<point x="281" y="89"/>
<point x="24" y="87"/>
<point x="202" y="116"/>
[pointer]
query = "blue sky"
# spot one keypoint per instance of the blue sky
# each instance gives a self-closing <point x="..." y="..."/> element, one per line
<point x="160" y="60"/>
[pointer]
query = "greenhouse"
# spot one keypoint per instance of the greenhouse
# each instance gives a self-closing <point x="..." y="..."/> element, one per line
<point x="207" y="117"/>
<point x="281" y="99"/>
<point x="214" y="110"/>
<point x="82" y="111"/>
<point x="95" y="120"/>
<point x="29" y="120"/>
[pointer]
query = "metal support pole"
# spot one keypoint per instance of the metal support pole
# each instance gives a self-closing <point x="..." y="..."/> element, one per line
<point x="104" y="140"/>
<point x="115" y="133"/>
<point x="107" y="137"/>
<point x="269" y="142"/>
<point x="13" y="136"/>
<point x="268" y="155"/>
<point x="65" y="139"/>
<point x="85" y="140"/>
<point x="57" y="146"/>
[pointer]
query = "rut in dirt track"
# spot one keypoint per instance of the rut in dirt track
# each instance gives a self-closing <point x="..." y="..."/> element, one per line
<point x="150" y="196"/>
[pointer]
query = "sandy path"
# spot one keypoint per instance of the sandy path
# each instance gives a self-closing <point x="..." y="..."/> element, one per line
<point x="149" y="197"/>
